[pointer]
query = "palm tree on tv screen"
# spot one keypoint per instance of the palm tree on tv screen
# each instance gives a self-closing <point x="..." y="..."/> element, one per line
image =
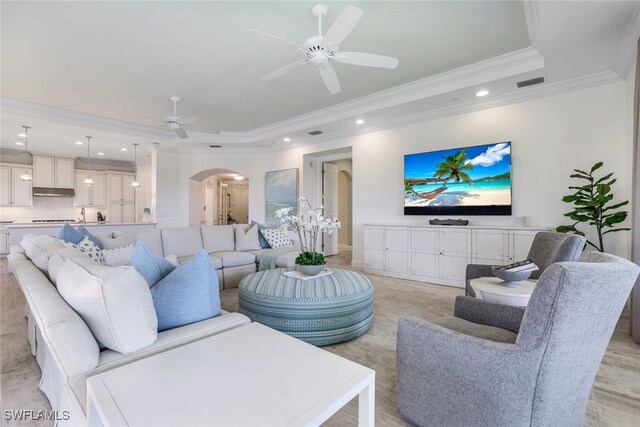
<point x="452" y="168"/>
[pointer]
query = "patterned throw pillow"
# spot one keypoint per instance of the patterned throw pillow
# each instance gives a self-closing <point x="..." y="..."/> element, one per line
<point x="276" y="237"/>
<point x="89" y="249"/>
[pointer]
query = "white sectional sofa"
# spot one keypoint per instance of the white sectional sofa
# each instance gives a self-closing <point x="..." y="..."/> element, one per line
<point x="63" y="344"/>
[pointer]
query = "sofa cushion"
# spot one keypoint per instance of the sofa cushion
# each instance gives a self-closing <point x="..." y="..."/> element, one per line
<point x="263" y="242"/>
<point x="82" y="230"/>
<point x="116" y="240"/>
<point x="234" y="259"/>
<point x="118" y="256"/>
<point x="152" y="238"/>
<point x="477" y="330"/>
<point x="286" y="260"/>
<point x="276" y="237"/>
<point x="57" y="259"/>
<point x="181" y="242"/>
<point x="246" y="237"/>
<point x="188" y="294"/>
<point x="218" y="238"/>
<point x="69" y="234"/>
<point x="39" y="248"/>
<point x="115" y="302"/>
<point x="149" y="264"/>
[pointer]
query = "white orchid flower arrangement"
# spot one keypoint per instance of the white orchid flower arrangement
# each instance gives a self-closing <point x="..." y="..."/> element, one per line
<point x="309" y="224"/>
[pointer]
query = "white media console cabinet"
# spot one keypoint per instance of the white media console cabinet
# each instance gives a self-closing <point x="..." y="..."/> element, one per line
<point x="440" y="254"/>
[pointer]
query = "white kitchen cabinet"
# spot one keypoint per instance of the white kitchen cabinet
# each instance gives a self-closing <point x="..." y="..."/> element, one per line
<point x="93" y="195"/>
<point x="15" y="191"/>
<point x="440" y="254"/>
<point x="121" y="198"/>
<point x="53" y="172"/>
<point x="4" y="242"/>
<point x="64" y="173"/>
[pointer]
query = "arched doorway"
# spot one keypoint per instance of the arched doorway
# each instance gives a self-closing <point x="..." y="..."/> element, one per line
<point x="218" y="197"/>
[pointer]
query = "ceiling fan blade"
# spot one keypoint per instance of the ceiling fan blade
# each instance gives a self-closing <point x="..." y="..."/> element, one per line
<point x="342" y="26"/>
<point x="188" y="120"/>
<point x="181" y="133"/>
<point x="330" y="79"/>
<point x="273" y="37"/>
<point x="282" y="71"/>
<point x="367" y="60"/>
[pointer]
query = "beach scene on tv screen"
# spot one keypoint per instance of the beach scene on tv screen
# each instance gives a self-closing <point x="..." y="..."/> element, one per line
<point x="471" y="176"/>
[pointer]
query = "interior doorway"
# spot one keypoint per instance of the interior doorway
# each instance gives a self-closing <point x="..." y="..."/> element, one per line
<point x="218" y="197"/>
<point x="337" y="198"/>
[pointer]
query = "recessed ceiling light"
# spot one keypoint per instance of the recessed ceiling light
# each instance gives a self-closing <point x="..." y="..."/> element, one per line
<point x="286" y="139"/>
<point x="359" y="122"/>
<point x="19" y="143"/>
<point x="22" y="135"/>
<point x="101" y="154"/>
<point x="79" y="142"/>
<point x="482" y="92"/>
<point x="124" y="149"/>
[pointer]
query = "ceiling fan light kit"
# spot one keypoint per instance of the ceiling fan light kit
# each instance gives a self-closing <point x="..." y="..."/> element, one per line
<point x="321" y="50"/>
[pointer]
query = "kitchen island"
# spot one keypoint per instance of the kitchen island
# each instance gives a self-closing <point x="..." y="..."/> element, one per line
<point x="18" y="229"/>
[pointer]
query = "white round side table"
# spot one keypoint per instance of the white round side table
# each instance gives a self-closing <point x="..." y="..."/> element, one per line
<point x="490" y="289"/>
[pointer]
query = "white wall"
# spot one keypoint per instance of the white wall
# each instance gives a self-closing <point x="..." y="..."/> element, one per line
<point x="550" y="137"/>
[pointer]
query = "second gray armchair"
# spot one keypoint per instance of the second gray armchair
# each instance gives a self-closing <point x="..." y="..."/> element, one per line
<point x="547" y="248"/>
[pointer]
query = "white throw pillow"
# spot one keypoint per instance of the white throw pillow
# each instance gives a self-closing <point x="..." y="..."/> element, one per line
<point x="115" y="302"/>
<point x="246" y="239"/>
<point x="276" y="237"/>
<point x="172" y="259"/>
<point x="58" y="258"/>
<point x="119" y="256"/>
<point x="39" y="248"/>
<point x="89" y="249"/>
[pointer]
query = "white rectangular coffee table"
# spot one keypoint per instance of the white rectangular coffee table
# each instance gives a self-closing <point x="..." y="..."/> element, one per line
<point x="249" y="376"/>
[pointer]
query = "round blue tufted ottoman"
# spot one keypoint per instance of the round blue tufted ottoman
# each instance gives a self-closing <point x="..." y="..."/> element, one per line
<point x="321" y="311"/>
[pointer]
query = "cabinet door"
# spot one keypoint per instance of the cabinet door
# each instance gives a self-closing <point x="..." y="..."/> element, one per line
<point x="5" y="185"/>
<point x="4" y="242"/>
<point x="64" y="176"/>
<point x="114" y="184"/>
<point x="21" y="190"/>
<point x="114" y="214"/>
<point x="424" y="251"/>
<point x="397" y="261"/>
<point x="374" y="258"/>
<point x="374" y="237"/>
<point x="490" y="246"/>
<point x="99" y="190"/>
<point x="454" y="268"/>
<point x="128" y="192"/>
<point x="397" y="239"/>
<point x="83" y="192"/>
<point x="43" y="168"/>
<point x="455" y="242"/>
<point x="520" y="244"/>
<point x="128" y="213"/>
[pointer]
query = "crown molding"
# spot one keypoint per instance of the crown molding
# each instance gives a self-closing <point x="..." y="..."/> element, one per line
<point x="629" y="48"/>
<point x="510" y="64"/>
<point x="521" y="95"/>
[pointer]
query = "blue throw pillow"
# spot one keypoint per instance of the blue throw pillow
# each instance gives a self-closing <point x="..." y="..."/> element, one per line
<point x="69" y="234"/>
<point x="188" y="294"/>
<point x="86" y="233"/>
<point x="152" y="267"/>
<point x="263" y="242"/>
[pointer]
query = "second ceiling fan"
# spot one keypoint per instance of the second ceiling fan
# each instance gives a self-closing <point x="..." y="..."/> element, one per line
<point x="320" y="50"/>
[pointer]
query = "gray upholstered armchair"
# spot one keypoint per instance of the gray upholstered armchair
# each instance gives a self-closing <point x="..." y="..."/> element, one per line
<point x="494" y="365"/>
<point x="547" y="248"/>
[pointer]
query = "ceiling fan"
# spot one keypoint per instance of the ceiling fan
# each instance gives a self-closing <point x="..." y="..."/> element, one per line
<point x="320" y="50"/>
<point x="175" y="122"/>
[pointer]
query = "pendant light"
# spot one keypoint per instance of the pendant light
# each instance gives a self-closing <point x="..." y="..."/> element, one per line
<point x="88" y="181"/>
<point x="26" y="176"/>
<point x="135" y="184"/>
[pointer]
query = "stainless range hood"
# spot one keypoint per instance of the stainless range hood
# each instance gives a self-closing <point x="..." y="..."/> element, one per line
<point x="54" y="192"/>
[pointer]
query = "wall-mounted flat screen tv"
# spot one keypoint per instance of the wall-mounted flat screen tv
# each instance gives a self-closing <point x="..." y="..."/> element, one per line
<point x="461" y="181"/>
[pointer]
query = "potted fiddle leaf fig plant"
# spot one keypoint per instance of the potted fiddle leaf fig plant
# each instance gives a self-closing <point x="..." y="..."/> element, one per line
<point x="593" y="205"/>
<point x="309" y="224"/>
